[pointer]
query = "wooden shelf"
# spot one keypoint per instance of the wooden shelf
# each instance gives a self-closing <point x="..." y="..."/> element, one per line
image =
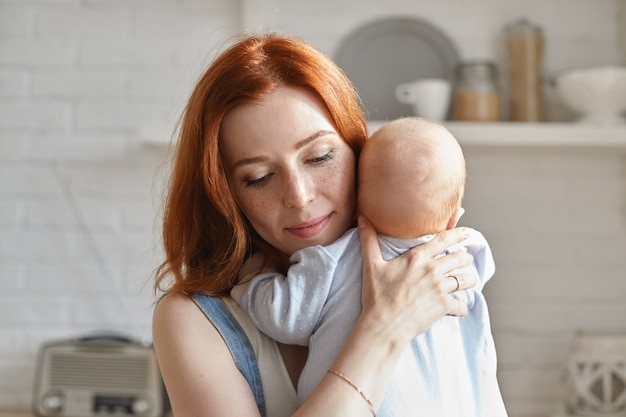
<point x="534" y="134"/>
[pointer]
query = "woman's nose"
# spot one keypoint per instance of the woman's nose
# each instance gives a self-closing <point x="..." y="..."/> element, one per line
<point x="299" y="190"/>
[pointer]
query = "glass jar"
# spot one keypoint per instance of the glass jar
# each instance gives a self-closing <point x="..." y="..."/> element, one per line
<point x="476" y="96"/>
<point x="524" y="47"/>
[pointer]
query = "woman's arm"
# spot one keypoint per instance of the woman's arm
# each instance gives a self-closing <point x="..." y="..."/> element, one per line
<point x="401" y="299"/>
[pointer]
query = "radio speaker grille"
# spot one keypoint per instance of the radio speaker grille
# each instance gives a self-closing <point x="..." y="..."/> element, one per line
<point x="100" y="371"/>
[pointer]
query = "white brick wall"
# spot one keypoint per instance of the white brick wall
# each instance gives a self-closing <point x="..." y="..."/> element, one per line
<point x="79" y="80"/>
<point x="555" y="219"/>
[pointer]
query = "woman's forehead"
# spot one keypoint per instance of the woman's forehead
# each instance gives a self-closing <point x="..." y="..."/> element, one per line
<point x="286" y="115"/>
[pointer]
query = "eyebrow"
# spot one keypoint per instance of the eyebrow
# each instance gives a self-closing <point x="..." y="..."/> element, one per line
<point x="299" y="145"/>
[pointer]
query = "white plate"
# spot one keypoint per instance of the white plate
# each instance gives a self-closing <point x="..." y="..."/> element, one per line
<point x="382" y="54"/>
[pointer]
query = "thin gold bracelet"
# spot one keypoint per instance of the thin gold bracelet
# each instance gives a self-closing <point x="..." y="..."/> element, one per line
<point x="357" y="389"/>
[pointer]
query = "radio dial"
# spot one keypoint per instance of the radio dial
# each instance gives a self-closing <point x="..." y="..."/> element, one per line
<point x="140" y="405"/>
<point x="53" y="401"/>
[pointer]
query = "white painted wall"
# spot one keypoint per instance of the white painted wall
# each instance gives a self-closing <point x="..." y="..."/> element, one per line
<point x="81" y="80"/>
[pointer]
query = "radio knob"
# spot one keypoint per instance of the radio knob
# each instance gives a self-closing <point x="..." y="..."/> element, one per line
<point x="53" y="401"/>
<point x="140" y="405"/>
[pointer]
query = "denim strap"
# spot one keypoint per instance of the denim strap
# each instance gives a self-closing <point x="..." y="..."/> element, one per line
<point x="237" y="342"/>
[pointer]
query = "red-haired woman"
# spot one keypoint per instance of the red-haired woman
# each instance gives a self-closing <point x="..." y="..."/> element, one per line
<point x="266" y="161"/>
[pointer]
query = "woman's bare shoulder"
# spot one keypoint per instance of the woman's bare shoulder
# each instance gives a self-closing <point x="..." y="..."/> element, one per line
<point x="179" y="324"/>
<point x="174" y="304"/>
<point x="197" y="367"/>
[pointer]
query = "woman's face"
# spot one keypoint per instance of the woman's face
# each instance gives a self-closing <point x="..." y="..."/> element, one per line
<point x="290" y="172"/>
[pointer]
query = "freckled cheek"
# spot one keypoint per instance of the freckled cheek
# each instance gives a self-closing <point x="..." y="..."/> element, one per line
<point x="259" y="212"/>
<point x="340" y="185"/>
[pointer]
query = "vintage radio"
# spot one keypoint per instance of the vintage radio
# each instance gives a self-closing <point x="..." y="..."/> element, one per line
<point x="99" y="375"/>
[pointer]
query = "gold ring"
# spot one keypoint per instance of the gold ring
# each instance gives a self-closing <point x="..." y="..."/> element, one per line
<point x="458" y="285"/>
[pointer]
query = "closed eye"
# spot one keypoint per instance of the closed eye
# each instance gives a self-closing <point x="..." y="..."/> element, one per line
<point x="323" y="158"/>
<point x="258" y="182"/>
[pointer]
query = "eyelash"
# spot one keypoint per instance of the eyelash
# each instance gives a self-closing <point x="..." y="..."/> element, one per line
<point x="324" y="158"/>
<point x="257" y="183"/>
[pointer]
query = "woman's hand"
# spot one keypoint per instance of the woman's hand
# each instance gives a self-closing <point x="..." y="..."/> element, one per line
<point x="409" y="293"/>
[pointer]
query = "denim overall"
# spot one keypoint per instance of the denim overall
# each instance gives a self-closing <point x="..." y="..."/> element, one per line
<point x="237" y="342"/>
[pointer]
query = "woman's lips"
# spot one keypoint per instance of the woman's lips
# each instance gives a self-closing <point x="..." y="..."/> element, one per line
<point x="311" y="228"/>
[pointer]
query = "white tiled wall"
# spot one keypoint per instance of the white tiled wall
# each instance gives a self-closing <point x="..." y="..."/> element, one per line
<point x="82" y="80"/>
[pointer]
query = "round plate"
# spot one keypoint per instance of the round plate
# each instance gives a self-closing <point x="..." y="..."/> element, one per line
<point x="384" y="53"/>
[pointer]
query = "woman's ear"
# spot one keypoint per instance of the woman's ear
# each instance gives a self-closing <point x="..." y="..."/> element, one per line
<point x="454" y="219"/>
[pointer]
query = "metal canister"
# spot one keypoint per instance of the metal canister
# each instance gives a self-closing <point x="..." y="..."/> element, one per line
<point x="476" y="92"/>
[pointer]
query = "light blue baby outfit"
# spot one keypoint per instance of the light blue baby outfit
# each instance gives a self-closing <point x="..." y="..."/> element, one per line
<point x="447" y="371"/>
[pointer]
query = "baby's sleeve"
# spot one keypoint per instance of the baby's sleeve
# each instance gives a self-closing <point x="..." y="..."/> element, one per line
<point x="288" y="308"/>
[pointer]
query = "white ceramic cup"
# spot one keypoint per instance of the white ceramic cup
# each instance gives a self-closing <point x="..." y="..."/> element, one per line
<point x="430" y="97"/>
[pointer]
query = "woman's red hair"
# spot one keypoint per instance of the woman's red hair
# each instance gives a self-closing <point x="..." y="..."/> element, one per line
<point x="205" y="236"/>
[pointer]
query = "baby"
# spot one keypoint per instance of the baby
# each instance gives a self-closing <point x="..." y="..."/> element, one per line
<point x="411" y="185"/>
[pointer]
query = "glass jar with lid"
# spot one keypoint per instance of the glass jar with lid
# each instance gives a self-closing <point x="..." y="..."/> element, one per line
<point x="476" y="93"/>
<point x="524" y="47"/>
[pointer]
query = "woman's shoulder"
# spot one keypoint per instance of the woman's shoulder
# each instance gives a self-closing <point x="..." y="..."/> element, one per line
<point x="174" y="306"/>
<point x="199" y="317"/>
<point x="177" y="321"/>
<point x="172" y="300"/>
<point x="177" y="318"/>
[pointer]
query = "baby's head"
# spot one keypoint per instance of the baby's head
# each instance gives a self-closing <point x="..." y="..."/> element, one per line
<point x="411" y="178"/>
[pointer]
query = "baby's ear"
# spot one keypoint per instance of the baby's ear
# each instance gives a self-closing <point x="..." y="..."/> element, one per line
<point x="456" y="216"/>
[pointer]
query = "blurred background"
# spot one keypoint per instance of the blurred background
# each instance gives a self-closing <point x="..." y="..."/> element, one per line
<point x="90" y="93"/>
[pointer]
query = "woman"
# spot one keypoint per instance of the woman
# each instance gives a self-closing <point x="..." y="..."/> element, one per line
<point x="266" y="161"/>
